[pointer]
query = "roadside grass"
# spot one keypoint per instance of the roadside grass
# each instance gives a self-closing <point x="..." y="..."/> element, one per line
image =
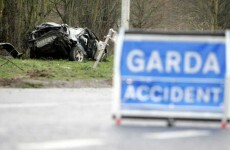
<point x="54" y="69"/>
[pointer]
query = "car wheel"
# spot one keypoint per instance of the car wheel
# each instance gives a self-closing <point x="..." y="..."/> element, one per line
<point x="76" y="54"/>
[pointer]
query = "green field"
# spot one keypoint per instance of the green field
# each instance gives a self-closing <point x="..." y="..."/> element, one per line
<point x="54" y="69"/>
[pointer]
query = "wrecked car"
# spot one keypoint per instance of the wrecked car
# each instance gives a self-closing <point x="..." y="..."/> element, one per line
<point x="9" y="48"/>
<point x="60" y="41"/>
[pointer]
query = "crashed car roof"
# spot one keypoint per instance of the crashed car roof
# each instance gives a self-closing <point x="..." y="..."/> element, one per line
<point x="71" y="31"/>
<point x="48" y="24"/>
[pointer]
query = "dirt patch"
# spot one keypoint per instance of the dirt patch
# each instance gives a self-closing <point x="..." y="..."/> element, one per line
<point x="92" y="83"/>
<point x="14" y="82"/>
<point x="40" y="73"/>
<point x="32" y="83"/>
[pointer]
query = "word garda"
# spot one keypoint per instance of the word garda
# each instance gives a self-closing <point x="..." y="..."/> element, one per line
<point x="190" y="63"/>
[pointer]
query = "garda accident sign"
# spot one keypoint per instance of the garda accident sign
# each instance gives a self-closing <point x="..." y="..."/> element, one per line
<point x="171" y="75"/>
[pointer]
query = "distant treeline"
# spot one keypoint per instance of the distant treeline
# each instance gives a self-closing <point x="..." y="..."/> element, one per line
<point x="19" y="17"/>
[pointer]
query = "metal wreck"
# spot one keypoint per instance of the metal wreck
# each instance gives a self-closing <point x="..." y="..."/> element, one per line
<point x="10" y="49"/>
<point x="60" y="41"/>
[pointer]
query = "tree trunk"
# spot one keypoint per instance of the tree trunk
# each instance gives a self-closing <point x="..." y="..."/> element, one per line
<point x="214" y="15"/>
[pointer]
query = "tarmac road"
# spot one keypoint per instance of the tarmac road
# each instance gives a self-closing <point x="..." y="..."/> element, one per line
<point x="73" y="119"/>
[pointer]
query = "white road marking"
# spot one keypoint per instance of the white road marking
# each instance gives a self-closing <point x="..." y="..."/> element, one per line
<point x="177" y="134"/>
<point x="65" y="144"/>
<point x="27" y="105"/>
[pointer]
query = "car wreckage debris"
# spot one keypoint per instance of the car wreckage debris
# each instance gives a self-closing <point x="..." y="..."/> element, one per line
<point x="102" y="46"/>
<point x="60" y="41"/>
<point x="10" y="49"/>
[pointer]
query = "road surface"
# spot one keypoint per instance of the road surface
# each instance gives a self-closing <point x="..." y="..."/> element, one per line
<point x="80" y="119"/>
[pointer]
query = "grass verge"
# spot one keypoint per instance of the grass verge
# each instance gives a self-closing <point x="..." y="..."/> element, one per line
<point x="54" y="69"/>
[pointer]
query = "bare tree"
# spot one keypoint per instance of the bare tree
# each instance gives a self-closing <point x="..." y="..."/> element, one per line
<point x="66" y="10"/>
<point x="98" y="15"/>
<point x="1" y="10"/>
<point x="209" y="14"/>
<point x="146" y="13"/>
<point x="223" y="14"/>
<point x="17" y="18"/>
